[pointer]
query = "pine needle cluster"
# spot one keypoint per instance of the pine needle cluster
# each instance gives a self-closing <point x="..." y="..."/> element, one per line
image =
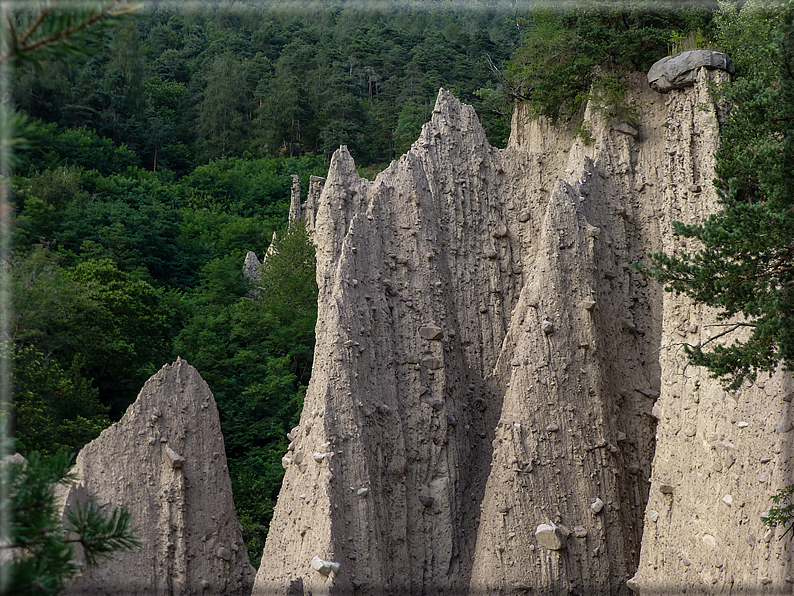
<point x="37" y="554"/>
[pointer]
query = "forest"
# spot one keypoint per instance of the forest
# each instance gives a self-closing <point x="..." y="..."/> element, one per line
<point x="152" y="163"/>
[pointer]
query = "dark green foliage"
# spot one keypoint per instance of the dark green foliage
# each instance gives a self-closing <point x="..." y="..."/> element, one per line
<point x="93" y="319"/>
<point x="180" y="91"/>
<point x="546" y="71"/>
<point x="248" y="187"/>
<point x="256" y="355"/>
<point x="100" y="535"/>
<point x="409" y="125"/>
<point x="32" y="522"/>
<point x="166" y="138"/>
<point x="128" y="319"/>
<point x="53" y="409"/>
<point x="222" y="112"/>
<point x="288" y="273"/>
<point x="607" y="94"/>
<point x="49" y="149"/>
<point x="746" y="265"/>
<point x="32" y="532"/>
<point x="746" y="35"/>
<point x="563" y="53"/>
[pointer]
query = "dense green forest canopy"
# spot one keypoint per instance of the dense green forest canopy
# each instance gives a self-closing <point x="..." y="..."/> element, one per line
<point x="577" y="51"/>
<point x="181" y="85"/>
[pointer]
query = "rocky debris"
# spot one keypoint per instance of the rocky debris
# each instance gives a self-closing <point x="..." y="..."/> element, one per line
<point x="165" y="462"/>
<point x="176" y="460"/>
<point x="431" y="332"/>
<point x="550" y="537"/>
<point x="16" y="458"/>
<point x="324" y="567"/>
<point x="682" y="71"/>
<point x="656" y="411"/>
<point x="494" y="248"/>
<point x="427" y="500"/>
<point x="596" y="506"/>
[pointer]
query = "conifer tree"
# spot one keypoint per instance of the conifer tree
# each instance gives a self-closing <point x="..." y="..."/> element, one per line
<point x="37" y="546"/>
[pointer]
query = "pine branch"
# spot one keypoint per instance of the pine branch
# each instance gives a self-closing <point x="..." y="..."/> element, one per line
<point x="45" y="12"/>
<point x="18" y="46"/>
<point x="12" y="29"/>
<point x="100" y="536"/>
<point x="733" y="327"/>
<point x="51" y="39"/>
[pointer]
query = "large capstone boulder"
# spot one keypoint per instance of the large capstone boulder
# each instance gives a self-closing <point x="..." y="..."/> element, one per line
<point x="681" y="71"/>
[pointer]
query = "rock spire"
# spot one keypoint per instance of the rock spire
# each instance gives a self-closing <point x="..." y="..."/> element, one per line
<point x="165" y="462"/>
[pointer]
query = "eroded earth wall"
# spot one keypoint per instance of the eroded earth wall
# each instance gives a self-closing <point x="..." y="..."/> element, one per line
<point x="492" y="400"/>
<point x="719" y="455"/>
<point x="165" y="462"/>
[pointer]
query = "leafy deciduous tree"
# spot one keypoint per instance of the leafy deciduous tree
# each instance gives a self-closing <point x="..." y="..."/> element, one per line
<point x="53" y="409"/>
